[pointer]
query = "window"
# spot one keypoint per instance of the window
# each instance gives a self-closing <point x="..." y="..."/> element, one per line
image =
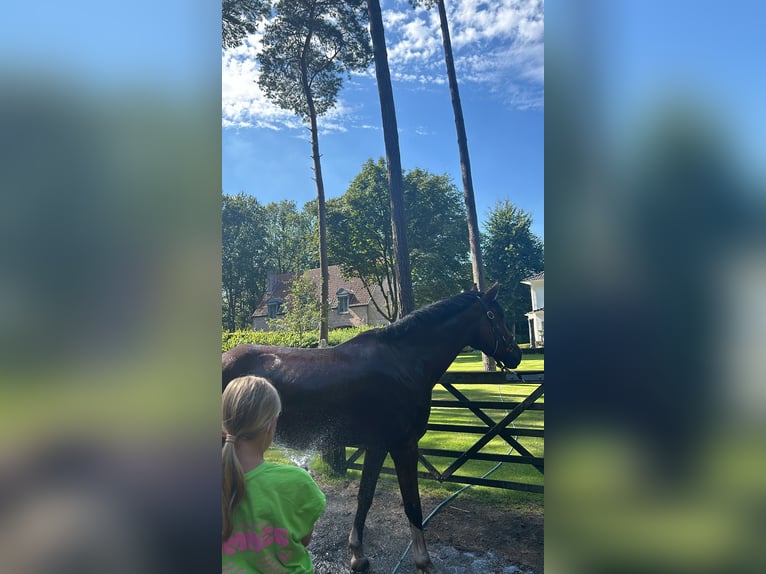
<point x="343" y="296"/>
<point x="343" y="304"/>
<point x="273" y="308"/>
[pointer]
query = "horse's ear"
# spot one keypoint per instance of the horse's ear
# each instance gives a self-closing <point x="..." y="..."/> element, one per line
<point x="492" y="292"/>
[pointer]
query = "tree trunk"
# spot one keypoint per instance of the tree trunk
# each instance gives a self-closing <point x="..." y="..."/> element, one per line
<point x="393" y="160"/>
<point x="322" y="222"/>
<point x="321" y="209"/>
<point x="474" y="238"/>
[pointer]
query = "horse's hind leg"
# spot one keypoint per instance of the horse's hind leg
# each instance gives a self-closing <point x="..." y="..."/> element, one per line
<point x="373" y="462"/>
<point x="406" y="462"/>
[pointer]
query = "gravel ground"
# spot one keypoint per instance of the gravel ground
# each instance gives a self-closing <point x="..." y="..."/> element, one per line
<point x="466" y="536"/>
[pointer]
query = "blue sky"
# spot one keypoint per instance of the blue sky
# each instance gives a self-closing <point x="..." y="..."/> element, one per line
<point x="709" y="58"/>
<point x="498" y="48"/>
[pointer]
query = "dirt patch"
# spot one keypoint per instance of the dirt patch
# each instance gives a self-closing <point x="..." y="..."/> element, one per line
<point x="467" y="536"/>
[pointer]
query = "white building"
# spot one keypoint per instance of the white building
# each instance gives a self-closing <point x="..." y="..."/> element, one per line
<point x="536" y="317"/>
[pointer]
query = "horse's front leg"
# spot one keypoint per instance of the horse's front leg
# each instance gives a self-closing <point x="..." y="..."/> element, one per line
<point x="373" y="462"/>
<point x="406" y="462"/>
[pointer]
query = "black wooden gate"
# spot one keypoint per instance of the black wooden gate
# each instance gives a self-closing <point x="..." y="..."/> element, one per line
<point x="531" y="381"/>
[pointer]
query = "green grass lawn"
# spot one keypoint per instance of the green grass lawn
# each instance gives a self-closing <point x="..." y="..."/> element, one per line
<point x="514" y="472"/>
<point x="472" y="362"/>
<point x="460" y="416"/>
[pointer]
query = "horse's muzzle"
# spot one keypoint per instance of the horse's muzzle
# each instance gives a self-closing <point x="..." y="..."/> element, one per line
<point x="511" y="358"/>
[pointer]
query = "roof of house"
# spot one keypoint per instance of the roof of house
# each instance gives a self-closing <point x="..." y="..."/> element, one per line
<point x="357" y="293"/>
<point x="536" y="277"/>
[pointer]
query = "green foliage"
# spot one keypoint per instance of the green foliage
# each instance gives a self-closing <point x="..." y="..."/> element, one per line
<point x="255" y="239"/>
<point x="307" y="47"/>
<point x="360" y="237"/>
<point x="512" y="253"/>
<point x="291" y="237"/>
<point x="230" y="339"/>
<point x="438" y="235"/>
<point x="240" y="18"/>
<point x="243" y="259"/>
<point x="301" y="314"/>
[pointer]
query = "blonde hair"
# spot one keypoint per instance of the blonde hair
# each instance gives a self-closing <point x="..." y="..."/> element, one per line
<point x="250" y="405"/>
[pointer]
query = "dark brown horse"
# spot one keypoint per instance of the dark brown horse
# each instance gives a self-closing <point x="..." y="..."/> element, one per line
<point x="375" y="391"/>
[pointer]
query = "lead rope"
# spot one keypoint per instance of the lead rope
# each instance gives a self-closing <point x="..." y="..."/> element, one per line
<point x="457" y="492"/>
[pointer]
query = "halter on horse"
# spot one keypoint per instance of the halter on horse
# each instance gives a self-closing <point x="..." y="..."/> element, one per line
<point x="375" y="391"/>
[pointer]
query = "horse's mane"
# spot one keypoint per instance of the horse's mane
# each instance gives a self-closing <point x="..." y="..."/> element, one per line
<point x="432" y="313"/>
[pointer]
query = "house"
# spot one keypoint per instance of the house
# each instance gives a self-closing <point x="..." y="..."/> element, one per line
<point x="536" y="317"/>
<point x="350" y="303"/>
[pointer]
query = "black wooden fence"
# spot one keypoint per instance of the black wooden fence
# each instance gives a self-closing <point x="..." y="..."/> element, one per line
<point x="531" y="381"/>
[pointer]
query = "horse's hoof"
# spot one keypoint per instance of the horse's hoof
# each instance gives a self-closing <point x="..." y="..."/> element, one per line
<point x="360" y="564"/>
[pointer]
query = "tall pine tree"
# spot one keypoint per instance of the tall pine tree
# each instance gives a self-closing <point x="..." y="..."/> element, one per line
<point x="307" y="47"/>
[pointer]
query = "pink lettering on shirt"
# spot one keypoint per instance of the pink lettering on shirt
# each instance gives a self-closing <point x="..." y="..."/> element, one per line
<point x="281" y="536"/>
<point x="254" y="541"/>
<point x="267" y="538"/>
<point x="235" y="543"/>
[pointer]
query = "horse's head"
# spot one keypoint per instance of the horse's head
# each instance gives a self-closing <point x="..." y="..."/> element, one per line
<point x="494" y="338"/>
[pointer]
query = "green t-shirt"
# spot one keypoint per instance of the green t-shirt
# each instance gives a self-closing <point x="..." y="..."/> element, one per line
<point x="280" y="508"/>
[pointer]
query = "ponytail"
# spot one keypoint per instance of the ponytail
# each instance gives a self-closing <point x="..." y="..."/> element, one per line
<point x="250" y="404"/>
<point x="233" y="486"/>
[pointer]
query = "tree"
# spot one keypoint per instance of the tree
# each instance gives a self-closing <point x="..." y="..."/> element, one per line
<point x="361" y="239"/>
<point x="435" y="224"/>
<point x="307" y="47"/>
<point x="257" y="239"/>
<point x="301" y="312"/>
<point x="243" y="267"/>
<point x="290" y="238"/>
<point x="513" y="253"/>
<point x="403" y="278"/>
<point x="360" y="235"/>
<point x="240" y="18"/>
<point x="474" y="235"/>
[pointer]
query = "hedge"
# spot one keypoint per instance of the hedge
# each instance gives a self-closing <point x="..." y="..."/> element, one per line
<point x="230" y="339"/>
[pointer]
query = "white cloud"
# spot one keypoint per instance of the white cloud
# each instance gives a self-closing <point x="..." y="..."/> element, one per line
<point x="498" y="44"/>
<point x="243" y="102"/>
<point x="244" y="105"/>
<point x="419" y="42"/>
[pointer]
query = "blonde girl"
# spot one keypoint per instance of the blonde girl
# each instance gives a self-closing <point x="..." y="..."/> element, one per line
<point x="269" y="510"/>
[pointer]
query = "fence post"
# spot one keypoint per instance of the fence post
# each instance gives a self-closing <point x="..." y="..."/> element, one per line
<point x="335" y="459"/>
